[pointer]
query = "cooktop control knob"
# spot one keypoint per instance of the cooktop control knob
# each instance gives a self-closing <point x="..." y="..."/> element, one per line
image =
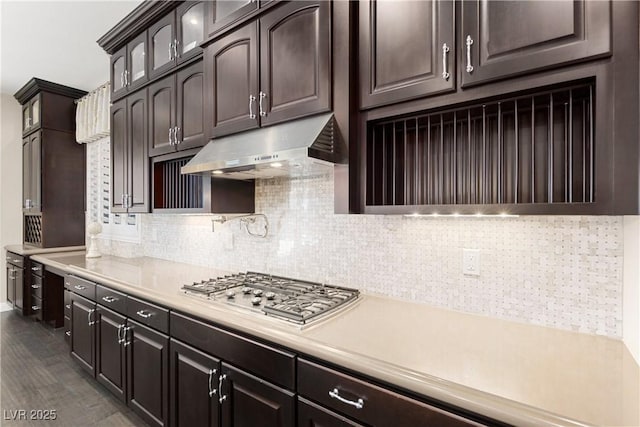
<point x="246" y="290"/>
<point x="256" y="300"/>
<point x="257" y="292"/>
<point x="231" y="294"/>
<point x="270" y="295"/>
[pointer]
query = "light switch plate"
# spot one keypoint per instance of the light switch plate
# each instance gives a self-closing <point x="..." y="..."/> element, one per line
<point x="471" y="262"/>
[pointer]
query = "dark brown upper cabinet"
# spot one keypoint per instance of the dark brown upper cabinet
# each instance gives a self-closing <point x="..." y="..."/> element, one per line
<point x="129" y="155"/>
<point x="129" y="66"/>
<point x="407" y="50"/>
<point x="292" y="81"/>
<point x="31" y="173"/>
<point x="176" y="111"/>
<point x="176" y="37"/>
<point x="500" y="39"/>
<point x="222" y="13"/>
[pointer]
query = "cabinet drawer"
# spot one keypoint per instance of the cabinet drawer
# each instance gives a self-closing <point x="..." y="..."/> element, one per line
<point x="116" y="301"/>
<point x="67" y="303"/>
<point x="274" y="365"/>
<point x="81" y="287"/>
<point x="148" y="314"/>
<point x="36" y="286"/>
<point x="369" y="403"/>
<point x="37" y="268"/>
<point x="15" y="259"/>
<point x="36" y="307"/>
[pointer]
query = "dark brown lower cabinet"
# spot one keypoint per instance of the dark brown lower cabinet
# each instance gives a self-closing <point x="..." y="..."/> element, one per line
<point x="148" y="373"/>
<point x="312" y="415"/>
<point x="110" y="351"/>
<point x="248" y="401"/>
<point x="83" y="332"/>
<point x="194" y="387"/>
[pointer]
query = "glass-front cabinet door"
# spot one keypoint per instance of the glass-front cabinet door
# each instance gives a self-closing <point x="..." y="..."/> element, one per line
<point x="26" y="118"/>
<point x="118" y="70"/>
<point x="31" y="115"/>
<point x="162" y="45"/>
<point x="35" y="111"/>
<point x="190" y="20"/>
<point x="222" y="13"/>
<point x="136" y="74"/>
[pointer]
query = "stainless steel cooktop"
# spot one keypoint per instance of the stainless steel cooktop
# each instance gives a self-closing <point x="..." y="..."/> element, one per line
<point x="293" y="300"/>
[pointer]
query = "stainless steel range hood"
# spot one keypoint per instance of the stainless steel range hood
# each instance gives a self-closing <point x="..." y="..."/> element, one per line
<point x="299" y="148"/>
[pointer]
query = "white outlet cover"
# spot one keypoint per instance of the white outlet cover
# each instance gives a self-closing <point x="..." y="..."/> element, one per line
<point x="471" y="262"/>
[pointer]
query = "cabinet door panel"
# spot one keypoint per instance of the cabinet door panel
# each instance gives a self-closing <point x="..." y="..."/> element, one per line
<point x="35" y="111"/>
<point x="147" y="362"/>
<point x="194" y="375"/>
<point x="119" y="157"/>
<point x="26" y="173"/>
<point x="295" y="51"/>
<point x="190" y="29"/>
<point x="11" y="284"/>
<point x="232" y="76"/>
<point x="83" y="332"/>
<point x="402" y="47"/>
<point x="161" y="50"/>
<point x="190" y="111"/>
<point x="312" y="415"/>
<point x="222" y="13"/>
<point x="110" y="356"/>
<point x="137" y="68"/>
<point x="19" y="300"/>
<point x="162" y="112"/>
<point x="513" y="37"/>
<point x="139" y="168"/>
<point x="251" y="402"/>
<point x="35" y="171"/>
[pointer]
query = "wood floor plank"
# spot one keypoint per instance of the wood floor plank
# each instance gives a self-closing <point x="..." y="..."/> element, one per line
<point x="37" y="373"/>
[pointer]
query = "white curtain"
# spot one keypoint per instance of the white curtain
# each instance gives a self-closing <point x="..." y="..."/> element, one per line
<point x="92" y="115"/>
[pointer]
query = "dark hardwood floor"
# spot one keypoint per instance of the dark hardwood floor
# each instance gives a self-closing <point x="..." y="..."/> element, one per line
<point x="37" y="373"/>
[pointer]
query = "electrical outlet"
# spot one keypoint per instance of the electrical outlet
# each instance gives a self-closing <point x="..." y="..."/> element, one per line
<point x="471" y="262"/>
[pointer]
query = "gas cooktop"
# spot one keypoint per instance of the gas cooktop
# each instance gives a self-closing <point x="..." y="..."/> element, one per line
<point x="293" y="300"/>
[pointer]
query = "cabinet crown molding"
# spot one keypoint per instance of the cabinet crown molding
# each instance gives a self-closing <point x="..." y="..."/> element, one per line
<point x="36" y="85"/>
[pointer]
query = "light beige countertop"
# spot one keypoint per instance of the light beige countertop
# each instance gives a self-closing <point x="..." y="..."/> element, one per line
<point x="32" y="250"/>
<point x="521" y="374"/>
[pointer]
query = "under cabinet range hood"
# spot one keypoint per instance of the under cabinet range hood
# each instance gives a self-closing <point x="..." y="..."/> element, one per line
<point x="302" y="147"/>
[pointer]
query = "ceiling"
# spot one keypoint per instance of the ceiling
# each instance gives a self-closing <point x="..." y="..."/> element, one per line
<point x="56" y="41"/>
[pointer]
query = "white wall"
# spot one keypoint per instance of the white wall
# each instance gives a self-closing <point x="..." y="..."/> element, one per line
<point x="631" y="289"/>
<point x="10" y="180"/>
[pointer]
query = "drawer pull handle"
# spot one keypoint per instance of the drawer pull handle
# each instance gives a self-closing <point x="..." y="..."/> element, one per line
<point x="335" y="394"/>
<point x="17" y="260"/>
<point x="67" y="306"/>
<point x="143" y="314"/>
<point x="125" y="334"/>
<point x="80" y="287"/>
<point x="35" y="286"/>
<point x="68" y="333"/>
<point x="35" y="308"/>
<point x="35" y="269"/>
<point x="109" y="299"/>
<point x="212" y="391"/>
<point x="120" y="330"/>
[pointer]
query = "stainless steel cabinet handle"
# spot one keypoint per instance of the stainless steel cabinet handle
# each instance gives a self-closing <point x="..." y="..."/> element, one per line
<point x="125" y="332"/>
<point x="120" y="339"/>
<point x="175" y="49"/>
<point x="36" y="268"/>
<point x="80" y="287"/>
<point x="171" y="58"/>
<point x="68" y="306"/>
<point x="126" y="77"/>
<point x="252" y="99"/>
<point x="16" y="260"/>
<point x="335" y="394"/>
<point x="445" y="51"/>
<point x="469" y="42"/>
<point x="262" y="111"/>
<point x="35" y="286"/>
<point x="89" y="318"/>
<point x="143" y="314"/>
<point x="175" y="135"/>
<point x="221" y="378"/>
<point x="122" y="79"/>
<point x="170" y="140"/>
<point x="212" y="391"/>
<point x="109" y="299"/>
<point x="68" y="333"/>
<point x="128" y="200"/>
<point x="35" y="308"/>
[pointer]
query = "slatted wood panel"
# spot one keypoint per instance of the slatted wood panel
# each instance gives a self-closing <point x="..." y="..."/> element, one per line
<point x="528" y="149"/>
<point x="172" y="190"/>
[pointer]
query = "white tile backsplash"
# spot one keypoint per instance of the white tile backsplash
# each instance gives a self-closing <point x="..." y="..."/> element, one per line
<point x="558" y="271"/>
